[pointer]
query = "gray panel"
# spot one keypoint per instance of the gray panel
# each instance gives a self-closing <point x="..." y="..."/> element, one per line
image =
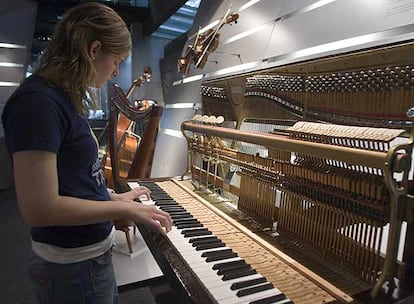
<point x="6" y="176"/>
<point x="13" y="55"/>
<point x="170" y="157"/>
<point x="147" y="51"/>
<point x="187" y="92"/>
<point x="12" y="74"/>
<point x="5" y="92"/>
<point x="172" y="118"/>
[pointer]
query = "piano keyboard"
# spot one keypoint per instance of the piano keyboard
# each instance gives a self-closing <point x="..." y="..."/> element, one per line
<point x="222" y="257"/>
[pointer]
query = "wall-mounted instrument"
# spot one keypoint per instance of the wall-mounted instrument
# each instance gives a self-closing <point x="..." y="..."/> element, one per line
<point x="204" y="44"/>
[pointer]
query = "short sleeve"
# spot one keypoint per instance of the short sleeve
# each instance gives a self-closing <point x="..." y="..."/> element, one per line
<point x="34" y="121"/>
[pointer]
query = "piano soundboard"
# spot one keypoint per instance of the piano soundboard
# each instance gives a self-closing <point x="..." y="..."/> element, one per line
<point x="229" y="262"/>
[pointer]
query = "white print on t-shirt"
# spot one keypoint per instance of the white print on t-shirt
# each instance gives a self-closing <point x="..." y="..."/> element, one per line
<point x="97" y="172"/>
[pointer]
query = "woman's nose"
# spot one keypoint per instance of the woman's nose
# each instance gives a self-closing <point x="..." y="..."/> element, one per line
<point x="115" y="72"/>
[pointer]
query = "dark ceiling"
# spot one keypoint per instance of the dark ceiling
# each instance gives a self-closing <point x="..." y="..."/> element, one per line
<point x="151" y="13"/>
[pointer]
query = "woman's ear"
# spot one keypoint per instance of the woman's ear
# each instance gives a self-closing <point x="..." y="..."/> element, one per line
<point x="94" y="49"/>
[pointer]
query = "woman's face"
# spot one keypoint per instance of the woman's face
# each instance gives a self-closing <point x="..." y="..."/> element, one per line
<point x="107" y="66"/>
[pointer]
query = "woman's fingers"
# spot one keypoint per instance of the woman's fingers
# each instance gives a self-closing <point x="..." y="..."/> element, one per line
<point x="158" y="226"/>
<point x="153" y="216"/>
<point x="140" y="191"/>
<point x="165" y="220"/>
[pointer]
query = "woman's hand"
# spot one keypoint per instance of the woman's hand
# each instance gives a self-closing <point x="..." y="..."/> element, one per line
<point x="151" y="215"/>
<point x="132" y="194"/>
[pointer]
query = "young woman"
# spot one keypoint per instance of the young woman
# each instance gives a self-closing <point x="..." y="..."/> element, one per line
<point x="59" y="181"/>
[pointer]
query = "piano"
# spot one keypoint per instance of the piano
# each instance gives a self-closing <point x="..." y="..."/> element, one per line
<point x="301" y="185"/>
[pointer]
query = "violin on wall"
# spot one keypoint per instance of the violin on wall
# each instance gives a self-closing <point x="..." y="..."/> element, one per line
<point x="127" y="141"/>
<point x="204" y="44"/>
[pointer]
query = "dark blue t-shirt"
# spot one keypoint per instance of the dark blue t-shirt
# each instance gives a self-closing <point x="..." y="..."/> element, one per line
<point x="41" y="117"/>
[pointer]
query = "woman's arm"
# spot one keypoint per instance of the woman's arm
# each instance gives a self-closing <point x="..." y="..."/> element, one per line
<point x="38" y="197"/>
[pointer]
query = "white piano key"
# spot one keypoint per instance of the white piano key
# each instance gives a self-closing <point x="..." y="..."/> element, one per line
<point x="253" y="297"/>
<point x="230" y="282"/>
<point x="219" y="289"/>
<point x="133" y="185"/>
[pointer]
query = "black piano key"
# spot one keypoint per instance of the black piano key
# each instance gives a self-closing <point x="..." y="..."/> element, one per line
<point x="185" y="220"/>
<point x="205" y="241"/>
<point x="252" y="290"/>
<point x="221" y="257"/>
<point x="228" y="264"/>
<point x="271" y="299"/>
<point x="239" y="274"/>
<point x="161" y="196"/>
<point x="189" y="225"/>
<point x="191" y="230"/>
<point x="215" y="253"/>
<point x="180" y="215"/>
<point x="166" y="204"/>
<point x="148" y="183"/>
<point x="160" y="199"/>
<point x="158" y="192"/>
<point x="247" y="283"/>
<point x="172" y="208"/>
<point x="223" y="269"/>
<point x="210" y="246"/>
<point x="206" y="238"/>
<point x="189" y="220"/>
<point x="235" y="269"/>
<point x="195" y="232"/>
<point x="212" y="256"/>
<point x="172" y="205"/>
<point x="178" y="212"/>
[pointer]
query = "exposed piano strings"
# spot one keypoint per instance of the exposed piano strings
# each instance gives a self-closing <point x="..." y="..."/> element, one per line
<point x="335" y="172"/>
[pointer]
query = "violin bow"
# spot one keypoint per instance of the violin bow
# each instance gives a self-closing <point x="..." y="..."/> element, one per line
<point x="192" y="50"/>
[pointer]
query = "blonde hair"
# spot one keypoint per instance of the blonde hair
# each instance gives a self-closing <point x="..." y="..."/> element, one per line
<point x="66" y="62"/>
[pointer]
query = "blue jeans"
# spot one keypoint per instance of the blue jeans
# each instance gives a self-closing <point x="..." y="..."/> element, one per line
<point x="87" y="282"/>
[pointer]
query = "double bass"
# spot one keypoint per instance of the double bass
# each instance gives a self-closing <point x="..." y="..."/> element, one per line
<point x="204" y="44"/>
